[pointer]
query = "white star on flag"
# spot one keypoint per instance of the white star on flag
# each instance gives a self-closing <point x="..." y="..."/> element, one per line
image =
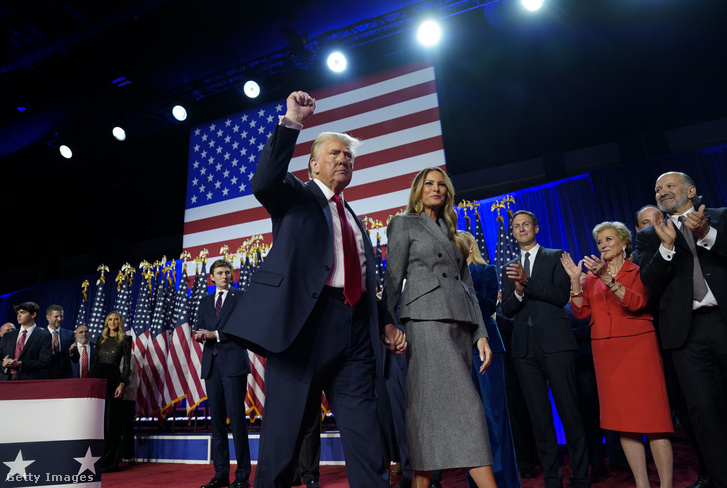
<point x="87" y="462"/>
<point x="18" y="466"/>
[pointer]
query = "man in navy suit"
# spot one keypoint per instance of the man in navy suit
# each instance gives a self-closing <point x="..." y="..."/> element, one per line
<point x="312" y="308"/>
<point x="684" y="264"/>
<point x="225" y="366"/>
<point x="535" y="288"/>
<point x="26" y="352"/>
<point x="61" y="340"/>
<point x="81" y="353"/>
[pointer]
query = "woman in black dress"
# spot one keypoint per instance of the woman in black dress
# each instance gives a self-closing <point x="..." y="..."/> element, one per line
<point x="112" y="348"/>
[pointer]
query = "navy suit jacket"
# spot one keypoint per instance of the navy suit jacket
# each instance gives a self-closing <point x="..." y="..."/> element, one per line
<point x="36" y="355"/>
<point x="76" y="360"/>
<point x="231" y="358"/>
<point x="287" y="286"/>
<point x="671" y="281"/>
<point x="61" y="359"/>
<point x="546" y="294"/>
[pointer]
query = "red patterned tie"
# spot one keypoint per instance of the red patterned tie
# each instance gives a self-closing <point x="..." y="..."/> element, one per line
<point x="19" y="348"/>
<point x="351" y="262"/>
<point x="84" y="362"/>
<point x="218" y="306"/>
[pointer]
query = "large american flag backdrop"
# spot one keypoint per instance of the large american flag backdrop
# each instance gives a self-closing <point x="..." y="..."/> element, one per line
<point x="395" y="112"/>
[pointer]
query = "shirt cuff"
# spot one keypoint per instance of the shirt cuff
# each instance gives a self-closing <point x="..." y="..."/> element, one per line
<point x="708" y="241"/>
<point x="290" y="124"/>
<point x="519" y="296"/>
<point x="666" y="253"/>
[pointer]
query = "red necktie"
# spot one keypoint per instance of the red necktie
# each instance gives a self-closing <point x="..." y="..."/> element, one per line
<point x="351" y="262"/>
<point x="84" y="362"/>
<point x="19" y="348"/>
<point x="218" y="306"/>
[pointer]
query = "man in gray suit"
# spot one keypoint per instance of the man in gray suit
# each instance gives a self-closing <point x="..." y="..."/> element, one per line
<point x="535" y="288"/>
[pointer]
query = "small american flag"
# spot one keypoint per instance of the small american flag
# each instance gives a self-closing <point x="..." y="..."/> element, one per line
<point x="199" y="291"/>
<point x="142" y="322"/>
<point x="96" y="322"/>
<point x="480" y="238"/>
<point x="505" y="249"/>
<point x="122" y="305"/>
<point x="184" y="352"/>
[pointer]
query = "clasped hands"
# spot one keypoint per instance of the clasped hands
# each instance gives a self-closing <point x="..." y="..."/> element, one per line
<point x="202" y="335"/>
<point x="393" y="339"/>
<point x="695" y="221"/>
<point x="593" y="264"/>
<point x="10" y="363"/>
<point x="516" y="272"/>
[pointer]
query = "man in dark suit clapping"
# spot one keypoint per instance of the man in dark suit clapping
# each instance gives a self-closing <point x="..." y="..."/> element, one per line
<point x="61" y="340"/>
<point x="225" y="366"/>
<point x="684" y="263"/>
<point x="535" y="288"/>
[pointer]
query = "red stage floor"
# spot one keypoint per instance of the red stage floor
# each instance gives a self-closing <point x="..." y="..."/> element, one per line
<point x="145" y="475"/>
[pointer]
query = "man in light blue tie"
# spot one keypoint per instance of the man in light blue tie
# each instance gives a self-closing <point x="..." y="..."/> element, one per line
<point x="535" y="288"/>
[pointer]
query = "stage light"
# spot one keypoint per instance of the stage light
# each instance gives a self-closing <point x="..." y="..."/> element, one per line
<point x="532" y="5"/>
<point x="119" y="133"/>
<point x="337" y="62"/>
<point x="66" y="151"/>
<point x="251" y="89"/>
<point x="179" y="112"/>
<point x="429" y="33"/>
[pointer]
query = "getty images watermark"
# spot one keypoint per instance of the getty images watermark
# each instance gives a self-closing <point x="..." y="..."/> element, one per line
<point x="53" y="478"/>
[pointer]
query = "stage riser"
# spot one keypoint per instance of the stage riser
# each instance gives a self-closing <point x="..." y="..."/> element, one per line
<point x="197" y="448"/>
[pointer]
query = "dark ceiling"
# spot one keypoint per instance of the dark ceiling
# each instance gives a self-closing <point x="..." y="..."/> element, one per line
<point x="512" y="86"/>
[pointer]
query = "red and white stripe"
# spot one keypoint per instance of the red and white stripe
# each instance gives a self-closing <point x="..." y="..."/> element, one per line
<point x="255" y="399"/>
<point x="184" y="364"/>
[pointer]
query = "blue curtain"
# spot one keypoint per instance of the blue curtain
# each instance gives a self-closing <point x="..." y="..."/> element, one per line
<point x="567" y="210"/>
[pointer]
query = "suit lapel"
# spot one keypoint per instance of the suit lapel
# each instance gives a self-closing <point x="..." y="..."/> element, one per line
<point x="320" y="198"/>
<point x="368" y="248"/>
<point x="434" y="229"/>
<point x="227" y="307"/>
<point x="29" y="341"/>
<point x="540" y="258"/>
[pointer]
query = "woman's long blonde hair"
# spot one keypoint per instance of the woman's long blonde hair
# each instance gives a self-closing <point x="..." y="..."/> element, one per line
<point x="474" y="248"/>
<point x="119" y="334"/>
<point x="446" y="211"/>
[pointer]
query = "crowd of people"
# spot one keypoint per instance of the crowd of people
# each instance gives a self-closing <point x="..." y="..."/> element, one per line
<point x="650" y="319"/>
<point x="31" y="352"/>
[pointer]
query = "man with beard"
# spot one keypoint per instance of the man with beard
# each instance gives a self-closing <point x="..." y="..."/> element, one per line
<point x="81" y="353"/>
<point x="684" y="263"/>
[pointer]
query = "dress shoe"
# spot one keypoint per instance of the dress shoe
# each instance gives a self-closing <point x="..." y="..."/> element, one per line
<point x="435" y="484"/>
<point x="701" y="483"/>
<point x="600" y="470"/>
<point x="240" y="484"/>
<point x="312" y="484"/>
<point x="217" y="483"/>
<point x="528" y="473"/>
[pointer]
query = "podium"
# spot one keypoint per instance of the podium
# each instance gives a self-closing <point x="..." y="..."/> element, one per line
<point x="51" y="432"/>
